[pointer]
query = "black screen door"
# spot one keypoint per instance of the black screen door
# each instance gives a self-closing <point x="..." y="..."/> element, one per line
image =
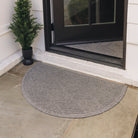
<point x="88" y="20"/>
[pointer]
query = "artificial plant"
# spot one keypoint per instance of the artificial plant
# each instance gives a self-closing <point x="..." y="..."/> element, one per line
<point x="24" y="25"/>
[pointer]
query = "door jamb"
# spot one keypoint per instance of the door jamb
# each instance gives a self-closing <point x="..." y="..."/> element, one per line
<point x="125" y="33"/>
<point x="47" y="23"/>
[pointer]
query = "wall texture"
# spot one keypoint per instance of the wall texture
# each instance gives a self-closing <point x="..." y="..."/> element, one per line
<point x="7" y="45"/>
<point x="37" y="8"/>
<point x="132" y="38"/>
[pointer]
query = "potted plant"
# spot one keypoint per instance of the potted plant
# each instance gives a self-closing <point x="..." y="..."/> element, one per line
<point x="25" y="28"/>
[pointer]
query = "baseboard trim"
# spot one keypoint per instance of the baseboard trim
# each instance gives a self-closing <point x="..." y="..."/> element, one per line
<point x="10" y="62"/>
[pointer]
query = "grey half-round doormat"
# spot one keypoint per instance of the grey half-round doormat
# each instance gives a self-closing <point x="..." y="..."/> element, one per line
<point x="64" y="93"/>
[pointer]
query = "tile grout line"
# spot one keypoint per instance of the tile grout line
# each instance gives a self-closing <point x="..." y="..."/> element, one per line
<point x="68" y="128"/>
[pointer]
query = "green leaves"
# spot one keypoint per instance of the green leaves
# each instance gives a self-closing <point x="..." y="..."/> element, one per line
<point x="24" y="25"/>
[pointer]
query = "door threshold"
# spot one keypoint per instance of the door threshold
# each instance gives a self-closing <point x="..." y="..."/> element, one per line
<point x="88" y="56"/>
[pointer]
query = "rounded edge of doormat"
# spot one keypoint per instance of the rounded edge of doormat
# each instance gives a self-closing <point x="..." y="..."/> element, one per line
<point x="116" y="101"/>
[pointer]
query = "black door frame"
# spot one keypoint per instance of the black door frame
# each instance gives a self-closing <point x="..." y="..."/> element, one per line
<point x="98" y="58"/>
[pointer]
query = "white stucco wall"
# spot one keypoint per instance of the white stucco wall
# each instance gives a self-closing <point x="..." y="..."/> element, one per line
<point x="7" y="45"/>
<point x="132" y="38"/>
<point x="37" y="8"/>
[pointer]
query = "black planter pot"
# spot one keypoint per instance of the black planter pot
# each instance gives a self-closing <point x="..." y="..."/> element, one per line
<point x="27" y="55"/>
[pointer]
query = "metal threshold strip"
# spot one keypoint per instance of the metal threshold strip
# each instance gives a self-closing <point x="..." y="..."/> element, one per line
<point x="86" y="55"/>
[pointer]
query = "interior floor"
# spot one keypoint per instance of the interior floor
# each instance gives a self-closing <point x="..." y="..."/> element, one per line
<point x="112" y="48"/>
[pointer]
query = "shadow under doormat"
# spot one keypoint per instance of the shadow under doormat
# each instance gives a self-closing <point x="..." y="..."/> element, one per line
<point x="65" y="93"/>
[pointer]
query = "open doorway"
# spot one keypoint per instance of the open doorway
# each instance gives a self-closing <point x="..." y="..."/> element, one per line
<point x="89" y="29"/>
